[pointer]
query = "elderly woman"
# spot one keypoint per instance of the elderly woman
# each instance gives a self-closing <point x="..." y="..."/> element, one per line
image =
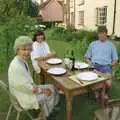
<point x="21" y="83"/>
<point x="41" y="50"/>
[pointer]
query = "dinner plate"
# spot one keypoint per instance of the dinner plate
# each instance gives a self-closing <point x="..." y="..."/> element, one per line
<point x="81" y="65"/>
<point x="56" y="71"/>
<point x="87" y="76"/>
<point x="54" y="61"/>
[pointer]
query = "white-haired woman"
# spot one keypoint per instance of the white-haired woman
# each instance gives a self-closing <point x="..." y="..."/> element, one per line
<point x="21" y="83"/>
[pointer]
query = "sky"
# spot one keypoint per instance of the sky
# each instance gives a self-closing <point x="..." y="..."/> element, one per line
<point x="35" y="1"/>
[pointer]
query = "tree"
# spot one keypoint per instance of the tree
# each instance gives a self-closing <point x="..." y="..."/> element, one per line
<point x="11" y="8"/>
<point x="7" y="9"/>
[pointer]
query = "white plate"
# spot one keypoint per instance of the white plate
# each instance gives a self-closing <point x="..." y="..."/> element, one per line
<point x="87" y="76"/>
<point x="81" y="65"/>
<point x="54" y="61"/>
<point x="57" y="71"/>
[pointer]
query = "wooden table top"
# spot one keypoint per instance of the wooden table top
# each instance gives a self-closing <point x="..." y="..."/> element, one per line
<point x="65" y="79"/>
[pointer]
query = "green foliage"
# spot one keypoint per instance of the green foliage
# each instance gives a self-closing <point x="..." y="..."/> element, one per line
<point x="11" y="8"/>
<point x="9" y="32"/>
<point x="71" y="35"/>
<point x="79" y="39"/>
<point x="116" y="69"/>
<point x="7" y="10"/>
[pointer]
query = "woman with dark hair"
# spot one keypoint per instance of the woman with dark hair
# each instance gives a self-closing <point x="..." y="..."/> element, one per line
<point x="41" y="50"/>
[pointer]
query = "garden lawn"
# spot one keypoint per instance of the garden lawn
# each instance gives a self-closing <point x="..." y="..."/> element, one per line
<point x="83" y="107"/>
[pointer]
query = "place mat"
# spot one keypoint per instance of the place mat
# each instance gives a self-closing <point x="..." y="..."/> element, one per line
<point x="85" y="83"/>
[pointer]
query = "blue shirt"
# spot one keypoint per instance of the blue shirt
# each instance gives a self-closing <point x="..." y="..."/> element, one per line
<point x="102" y="53"/>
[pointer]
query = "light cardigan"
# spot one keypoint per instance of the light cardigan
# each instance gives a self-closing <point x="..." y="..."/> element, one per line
<point x="20" y="84"/>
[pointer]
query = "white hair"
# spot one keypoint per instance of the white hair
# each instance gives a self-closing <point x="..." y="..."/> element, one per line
<point x="22" y="41"/>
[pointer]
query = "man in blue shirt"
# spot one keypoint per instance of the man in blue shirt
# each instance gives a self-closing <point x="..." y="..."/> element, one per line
<point x="102" y="53"/>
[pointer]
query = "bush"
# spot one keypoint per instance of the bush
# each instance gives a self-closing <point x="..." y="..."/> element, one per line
<point x="9" y="32"/>
<point x="57" y="33"/>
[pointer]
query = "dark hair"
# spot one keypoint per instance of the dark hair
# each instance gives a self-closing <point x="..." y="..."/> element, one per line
<point x="102" y="29"/>
<point x="38" y="34"/>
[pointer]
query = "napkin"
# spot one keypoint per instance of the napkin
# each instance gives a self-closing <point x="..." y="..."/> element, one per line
<point x="84" y="83"/>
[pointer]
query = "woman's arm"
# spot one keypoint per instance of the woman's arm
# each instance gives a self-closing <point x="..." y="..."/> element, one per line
<point x="50" y="55"/>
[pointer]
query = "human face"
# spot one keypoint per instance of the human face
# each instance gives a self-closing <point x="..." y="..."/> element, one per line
<point x="24" y="52"/>
<point x="40" y="38"/>
<point x="102" y="36"/>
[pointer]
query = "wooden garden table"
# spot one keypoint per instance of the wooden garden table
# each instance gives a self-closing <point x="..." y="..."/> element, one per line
<point x="68" y="86"/>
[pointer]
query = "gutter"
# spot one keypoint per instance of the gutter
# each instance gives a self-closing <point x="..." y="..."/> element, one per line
<point x="74" y="11"/>
<point x="114" y="19"/>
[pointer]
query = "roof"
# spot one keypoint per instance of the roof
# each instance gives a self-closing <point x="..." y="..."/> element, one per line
<point x="42" y="5"/>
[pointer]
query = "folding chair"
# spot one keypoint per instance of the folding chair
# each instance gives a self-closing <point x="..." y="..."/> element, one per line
<point x="110" y="112"/>
<point x="14" y="104"/>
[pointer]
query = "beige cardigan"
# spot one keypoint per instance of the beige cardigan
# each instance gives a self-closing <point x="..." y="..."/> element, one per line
<point x="20" y="84"/>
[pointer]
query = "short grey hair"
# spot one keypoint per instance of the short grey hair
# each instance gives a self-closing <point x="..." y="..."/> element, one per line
<point x="22" y="41"/>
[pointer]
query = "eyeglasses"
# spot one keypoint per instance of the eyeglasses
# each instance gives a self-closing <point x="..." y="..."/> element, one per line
<point x="25" y="49"/>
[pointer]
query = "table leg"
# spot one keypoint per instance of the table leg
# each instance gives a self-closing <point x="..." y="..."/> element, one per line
<point x="42" y="77"/>
<point x="68" y="106"/>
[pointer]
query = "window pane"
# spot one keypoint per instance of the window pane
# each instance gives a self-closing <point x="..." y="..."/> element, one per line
<point x="81" y="17"/>
<point x="101" y="16"/>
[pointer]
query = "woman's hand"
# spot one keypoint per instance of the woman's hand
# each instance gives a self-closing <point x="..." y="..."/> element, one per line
<point x="46" y="91"/>
<point x="34" y="90"/>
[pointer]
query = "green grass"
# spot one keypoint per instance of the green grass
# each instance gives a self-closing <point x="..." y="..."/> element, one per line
<point x="59" y="46"/>
<point x="83" y="107"/>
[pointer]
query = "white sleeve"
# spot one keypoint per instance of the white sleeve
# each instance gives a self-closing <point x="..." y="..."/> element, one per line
<point x="35" y="53"/>
<point x="47" y="48"/>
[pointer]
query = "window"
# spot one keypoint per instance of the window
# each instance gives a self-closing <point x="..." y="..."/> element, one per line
<point x="101" y="16"/>
<point x="81" y="2"/>
<point x="71" y="3"/>
<point x="81" y="17"/>
<point x="72" y="18"/>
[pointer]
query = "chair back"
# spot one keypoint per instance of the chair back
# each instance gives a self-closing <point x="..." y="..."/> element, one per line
<point x="110" y="112"/>
<point x="4" y="86"/>
<point x="13" y="100"/>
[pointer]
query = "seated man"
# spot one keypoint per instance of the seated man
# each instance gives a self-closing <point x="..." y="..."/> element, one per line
<point x="21" y="83"/>
<point x="102" y="54"/>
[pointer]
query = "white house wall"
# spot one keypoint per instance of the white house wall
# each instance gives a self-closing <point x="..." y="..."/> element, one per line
<point x="110" y="16"/>
<point x="117" y="25"/>
<point x="89" y="12"/>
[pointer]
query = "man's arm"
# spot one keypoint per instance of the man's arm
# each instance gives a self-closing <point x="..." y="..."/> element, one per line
<point x="114" y="62"/>
<point x="114" y="56"/>
<point x="88" y="54"/>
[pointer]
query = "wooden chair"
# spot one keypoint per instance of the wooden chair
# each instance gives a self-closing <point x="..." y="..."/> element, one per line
<point x="14" y="104"/>
<point x="110" y="112"/>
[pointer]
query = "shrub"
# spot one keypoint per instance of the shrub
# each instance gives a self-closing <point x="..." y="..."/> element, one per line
<point x="9" y="32"/>
<point x="58" y="33"/>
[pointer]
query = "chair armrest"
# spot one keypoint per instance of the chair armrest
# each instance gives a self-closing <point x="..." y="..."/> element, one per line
<point x="114" y="102"/>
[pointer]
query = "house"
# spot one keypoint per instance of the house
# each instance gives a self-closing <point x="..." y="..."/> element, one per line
<point x="51" y="10"/>
<point x="113" y="17"/>
<point x="88" y="14"/>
